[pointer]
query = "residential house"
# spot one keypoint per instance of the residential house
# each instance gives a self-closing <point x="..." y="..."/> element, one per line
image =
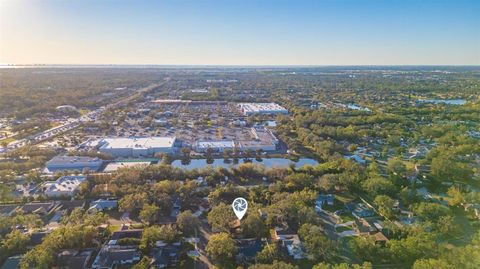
<point x="177" y="205"/>
<point x="323" y="199"/>
<point x="165" y="255"/>
<point x="103" y="204"/>
<point x="361" y="210"/>
<point x="65" y="186"/>
<point x="39" y="208"/>
<point x="74" y="259"/>
<point x="248" y="249"/>
<point x="363" y="227"/>
<point x="475" y="208"/>
<point x="199" y="206"/>
<point x="12" y="262"/>
<point x="133" y="233"/>
<point x="111" y="256"/>
<point x="36" y="238"/>
<point x="7" y="210"/>
<point x="291" y="241"/>
<point x="72" y="204"/>
<point x="380" y="239"/>
<point x="356" y="158"/>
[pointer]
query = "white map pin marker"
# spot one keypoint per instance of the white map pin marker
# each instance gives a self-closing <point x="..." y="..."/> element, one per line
<point x="240" y="206"/>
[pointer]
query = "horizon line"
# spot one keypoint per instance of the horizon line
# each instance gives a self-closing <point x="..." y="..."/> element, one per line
<point x="6" y="65"/>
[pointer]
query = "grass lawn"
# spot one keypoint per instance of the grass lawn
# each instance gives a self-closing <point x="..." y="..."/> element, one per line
<point x="344" y="197"/>
<point x="113" y="228"/>
<point x="337" y="205"/>
<point x="343" y="229"/>
<point x="272" y="233"/>
<point x="83" y="112"/>
<point x="347" y="217"/>
<point x="339" y="202"/>
<point x="7" y="140"/>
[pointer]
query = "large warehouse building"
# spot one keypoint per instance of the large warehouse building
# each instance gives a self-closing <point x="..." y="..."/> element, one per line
<point x="215" y="145"/>
<point x="73" y="163"/>
<point x="262" y="139"/>
<point x="262" y="108"/>
<point x="137" y="146"/>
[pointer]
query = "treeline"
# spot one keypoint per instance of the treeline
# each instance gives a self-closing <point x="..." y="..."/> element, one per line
<point x="26" y="92"/>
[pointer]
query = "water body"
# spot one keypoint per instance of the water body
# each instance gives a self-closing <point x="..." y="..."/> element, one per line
<point x="267" y="162"/>
<point x="456" y="102"/>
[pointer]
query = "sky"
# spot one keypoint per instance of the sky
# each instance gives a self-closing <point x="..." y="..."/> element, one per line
<point x="240" y="32"/>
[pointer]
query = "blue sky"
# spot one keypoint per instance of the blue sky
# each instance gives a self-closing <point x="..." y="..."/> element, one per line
<point x="240" y="32"/>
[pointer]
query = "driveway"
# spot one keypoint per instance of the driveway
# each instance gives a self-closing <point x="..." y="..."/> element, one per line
<point x="329" y="221"/>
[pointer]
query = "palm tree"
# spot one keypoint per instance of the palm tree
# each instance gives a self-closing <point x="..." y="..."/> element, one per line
<point x="227" y="153"/>
<point x="248" y="154"/>
<point x="259" y="155"/>
<point x="209" y="155"/>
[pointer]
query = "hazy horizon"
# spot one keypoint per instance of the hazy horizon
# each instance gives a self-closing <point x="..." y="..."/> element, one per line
<point x="240" y="33"/>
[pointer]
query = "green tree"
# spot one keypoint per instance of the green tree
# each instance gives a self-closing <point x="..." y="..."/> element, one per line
<point x="143" y="264"/>
<point x="385" y="205"/>
<point x="64" y="237"/>
<point x="187" y="222"/>
<point x="149" y="214"/>
<point x="270" y="253"/>
<point x="79" y="216"/>
<point x="365" y="265"/>
<point x="274" y="265"/>
<point x="416" y="245"/>
<point x="318" y="246"/>
<point x="378" y="185"/>
<point x="15" y="242"/>
<point x="430" y="211"/>
<point x="254" y="226"/>
<point x="152" y="234"/>
<point x="221" y="218"/>
<point x="431" y="264"/>
<point x="397" y="166"/>
<point x="446" y="168"/>
<point x="132" y="201"/>
<point x="457" y="198"/>
<point x="365" y="249"/>
<point x="446" y="226"/>
<point x="221" y="247"/>
<point x="298" y="181"/>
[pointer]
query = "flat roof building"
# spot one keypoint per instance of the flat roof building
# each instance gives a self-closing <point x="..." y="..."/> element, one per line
<point x="262" y="108"/>
<point x="73" y="163"/>
<point x="262" y="139"/>
<point x="215" y="145"/>
<point x="137" y="146"/>
<point x="65" y="186"/>
<point x="114" y="166"/>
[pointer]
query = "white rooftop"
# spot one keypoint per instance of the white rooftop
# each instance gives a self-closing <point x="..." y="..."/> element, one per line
<point x="65" y="183"/>
<point x="138" y="142"/>
<point x="111" y="167"/>
<point x="215" y="144"/>
<point x="262" y="107"/>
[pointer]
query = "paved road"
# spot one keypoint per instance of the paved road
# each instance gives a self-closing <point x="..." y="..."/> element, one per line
<point x="203" y="262"/>
<point x="74" y="123"/>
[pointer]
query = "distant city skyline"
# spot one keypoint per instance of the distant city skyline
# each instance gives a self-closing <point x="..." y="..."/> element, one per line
<point x="242" y="33"/>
